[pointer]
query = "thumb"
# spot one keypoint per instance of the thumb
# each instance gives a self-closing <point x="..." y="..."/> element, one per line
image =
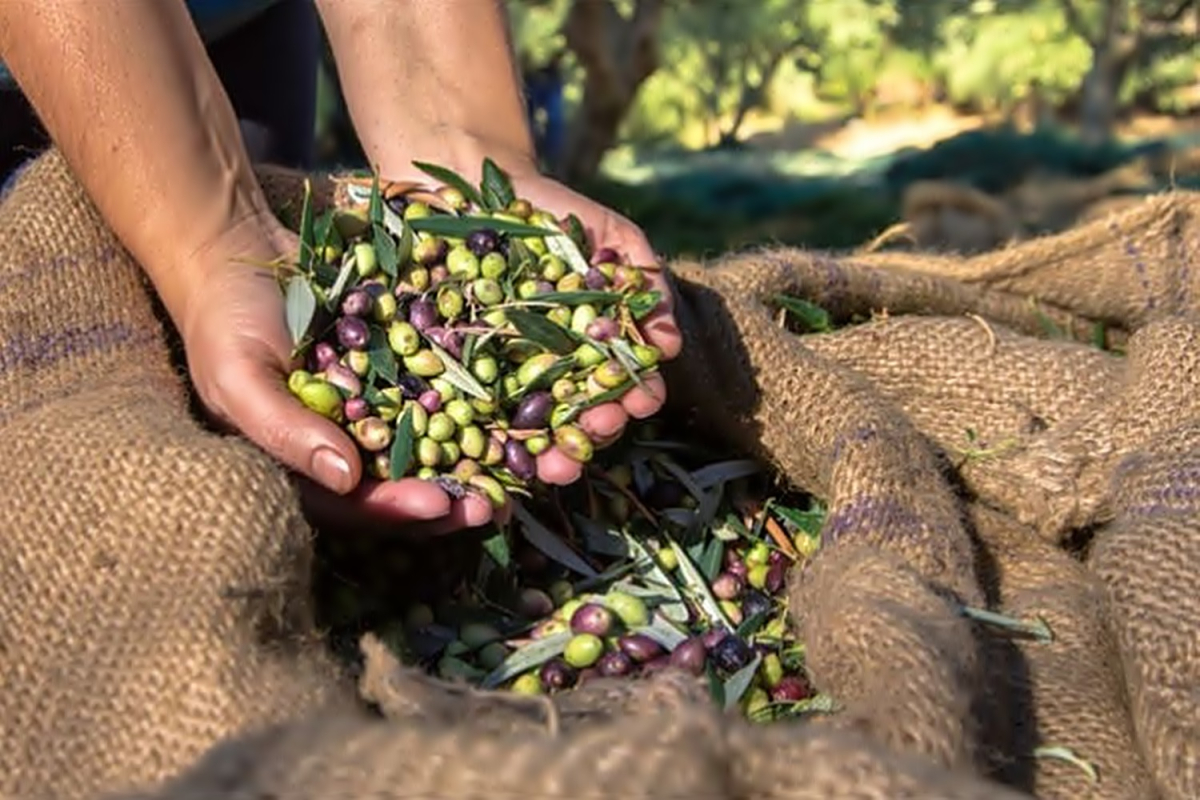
<point x="266" y="412"/>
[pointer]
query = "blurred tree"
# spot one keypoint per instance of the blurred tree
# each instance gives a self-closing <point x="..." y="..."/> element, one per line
<point x="1124" y="35"/>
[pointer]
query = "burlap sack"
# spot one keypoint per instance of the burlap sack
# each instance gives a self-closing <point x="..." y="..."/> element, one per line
<point x="145" y="622"/>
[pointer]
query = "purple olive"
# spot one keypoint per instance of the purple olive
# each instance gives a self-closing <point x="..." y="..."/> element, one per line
<point x="356" y="408"/>
<point x="732" y="653"/>
<point x="519" y="460"/>
<point x="738" y="569"/>
<point x="640" y="647"/>
<point x="776" y="574"/>
<point x="690" y="656"/>
<point x="398" y="204"/>
<point x="422" y="314"/>
<point x="792" y="689"/>
<point x="448" y="339"/>
<point x="532" y="412"/>
<point x="483" y="241"/>
<point x="412" y="386"/>
<point x="606" y="255"/>
<point x="727" y="586"/>
<point x="592" y="618"/>
<point x="776" y="557"/>
<point x="431" y="401"/>
<point x="713" y="637"/>
<point x="357" y="304"/>
<point x="594" y="279"/>
<point x="324" y="355"/>
<point x="557" y="674"/>
<point x="614" y="665"/>
<point x="602" y="329"/>
<point x="353" y="333"/>
<point x="754" y="603"/>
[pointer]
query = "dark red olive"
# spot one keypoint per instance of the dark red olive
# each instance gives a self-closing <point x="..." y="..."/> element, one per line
<point x="557" y="674"/>
<point x="324" y="356"/>
<point x="353" y="333"/>
<point x="776" y="574"/>
<point x="592" y="618"/>
<point x="448" y="339"/>
<point x="640" y="647"/>
<point x="792" y="689"/>
<point x="732" y="653"/>
<point x="690" y="656"/>
<point x="357" y="304"/>
<point x="594" y="279"/>
<point x="712" y="637"/>
<point x="532" y="412"/>
<point x="423" y="314"/>
<point x="614" y="665"/>
<point x="754" y="603"/>
<point x="519" y="461"/>
<point x="777" y="557"/>
<point x="738" y="568"/>
<point x="727" y="586"/>
<point x="606" y="255"/>
<point x="483" y="241"/>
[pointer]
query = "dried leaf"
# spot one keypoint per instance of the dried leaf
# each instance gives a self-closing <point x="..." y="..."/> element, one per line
<point x="451" y="178"/>
<point x="526" y="658"/>
<point x="401" y="454"/>
<point x="458" y="376"/>
<point x="301" y="307"/>
<point x="551" y="545"/>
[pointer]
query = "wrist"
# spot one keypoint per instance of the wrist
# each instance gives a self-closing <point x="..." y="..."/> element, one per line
<point x="459" y="150"/>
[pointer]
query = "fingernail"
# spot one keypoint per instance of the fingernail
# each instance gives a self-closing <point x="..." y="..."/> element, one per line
<point x="332" y="470"/>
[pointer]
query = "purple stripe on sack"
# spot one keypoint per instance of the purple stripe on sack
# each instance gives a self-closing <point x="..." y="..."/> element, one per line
<point x="861" y="435"/>
<point x="1139" y="263"/>
<point x="36" y="268"/>
<point x="864" y="515"/>
<point x="1177" y="493"/>
<point x="43" y="350"/>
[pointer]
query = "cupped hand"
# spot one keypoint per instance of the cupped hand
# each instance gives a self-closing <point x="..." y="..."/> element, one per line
<point x="605" y="228"/>
<point x="239" y="355"/>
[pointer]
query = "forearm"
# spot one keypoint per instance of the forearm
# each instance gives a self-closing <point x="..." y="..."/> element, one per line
<point x="126" y="91"/>
<point x="430" y="79"/>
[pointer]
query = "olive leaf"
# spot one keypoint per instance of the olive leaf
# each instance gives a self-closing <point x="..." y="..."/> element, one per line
<point x="750" y="625"/>
<point x="810" y="521"/>
<point x="641" y="304"/>
<point x="339" y="285"/>
<point x="1036" y="629"/>
<point x="375" y="204"/>
<point x="526" y="658"/>
<point x="578" y="235"/>
<point x="812" y="317"/>
<point x="709" y="562"/>
<point x="624" y="353"/>
<point x="460" y="227"/>
<point x="496" y="546"/>
<point x="739" y="682"/>
<point x="599" y="538"/>
<point x="1068" y="755"/>
<point x="561" y="245"/>
<point x="596" y="298"/>
<point x="458" y="376"/>
<point x="307" y="233"/>
<point x="497" y="190"/>
<point x="674" y="609"/>
<point x="520" y="258"/>
<point x="578" y="408"/>
<point x="699" y="587"/>
<point x="385" y="248"/>
<point x="381" y="358"/>
<point x="662" y="631"/>
<point x="450" y="178"/>
<point x="546" y="378"/>
<point x="549" y="543"/>
<point x="723" y="472"/>
<point x="301" y="307"/>
<point x="542" y="331"/>
<point x="401" y="454"/>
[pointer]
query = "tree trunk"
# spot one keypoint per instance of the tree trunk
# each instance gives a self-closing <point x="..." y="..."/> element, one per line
<point x="617" y="55"/>
<point x="1098" y="107"/>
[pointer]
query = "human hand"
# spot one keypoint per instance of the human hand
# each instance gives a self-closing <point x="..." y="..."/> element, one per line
<point x="239" y="356"/>
<point x="606" y="228"/>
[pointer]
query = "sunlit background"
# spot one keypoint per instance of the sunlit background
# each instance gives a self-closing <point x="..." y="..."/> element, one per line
<point x="846" y="123"/>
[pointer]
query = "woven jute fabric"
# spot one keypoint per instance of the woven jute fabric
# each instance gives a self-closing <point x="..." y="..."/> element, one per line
<point x="156" y="627"/>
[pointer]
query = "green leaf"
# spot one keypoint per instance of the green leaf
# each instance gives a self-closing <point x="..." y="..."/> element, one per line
<point x="739" y="682"/>
<point x="520" y="258"/>
<point x="723" y="472"/>
<point x="307" y="234"/>
<point x="716" y="686"/>
<point x="460" y="227"/>
<point x="561" y="245"/>
<point x="381" y="358"/>
<point x="709" y="561"/>
<point x="549" y="543"/>
<point x="457" y="375"/>
<point x="578" y="235"/>
<point x="526" y="658"/>
<point x="615" y="393"/>
<point x="812" y="316"/>
<point x="375" y="204"/>
<point x="542" y="331"/>
<point x="674" y="611"/>
<point x="596" y="298"/>
<point x="301" y="307"/>
<point x="699" y="587"/>
<point x="450" y="178"/>
<point x="401" y="455"/>
<point x="547" y="378"/>
<point x="1036" y="629"/>
<point x="662" y="631"/>
<point x="599" y="538"/>
<point x="497" y="188"/>
<point x="624" y="353"/>
<point x="385" y="249"/>
<point x="641" y="304"/>
<point x="339" y="285"/>
<point x="810" y="521"/>
<point x="497" y="547"/>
